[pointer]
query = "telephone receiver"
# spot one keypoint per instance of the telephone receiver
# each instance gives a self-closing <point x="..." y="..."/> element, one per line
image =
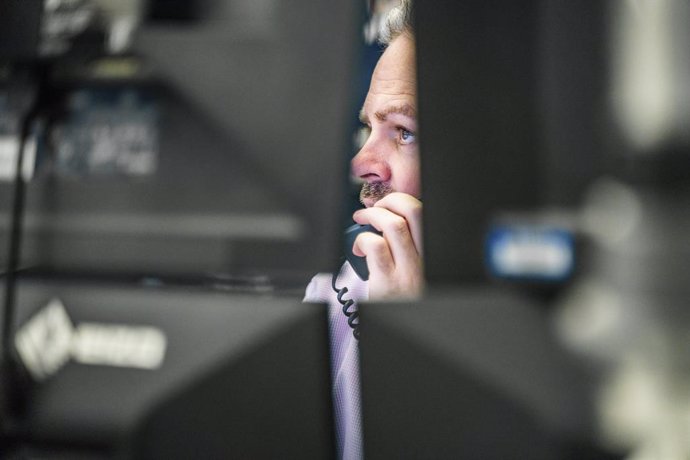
<point x="359" y="264"/>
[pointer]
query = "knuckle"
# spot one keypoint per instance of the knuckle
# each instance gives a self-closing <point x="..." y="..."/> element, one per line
<point x="416" y="210"/>
<point x="379" y="246"/>
<point x="373" y="245"/>
<point x="399" y="226"/>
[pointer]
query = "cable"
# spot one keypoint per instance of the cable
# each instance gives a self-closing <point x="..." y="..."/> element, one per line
<point x="352" y="315"/>
<point x="28" y="101"/>
<point x="25" y="100"/>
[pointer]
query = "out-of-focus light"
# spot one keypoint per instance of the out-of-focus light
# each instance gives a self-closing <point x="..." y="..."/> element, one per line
<point x="530" y="252"/>
<point x="643" y="71"/>
<point x="611" y="213"/>
<point x="643" y="409"/>
<point x="631" y="404"/>
<point x="123" y="18"/>
<point x="592" y="320"/>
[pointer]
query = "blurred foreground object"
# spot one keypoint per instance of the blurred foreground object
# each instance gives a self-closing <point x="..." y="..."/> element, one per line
<point x="630" y="311"/>
<point x="135" y="372"/>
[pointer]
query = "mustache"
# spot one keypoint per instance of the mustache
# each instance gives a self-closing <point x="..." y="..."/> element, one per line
<point x="374" y="190"/>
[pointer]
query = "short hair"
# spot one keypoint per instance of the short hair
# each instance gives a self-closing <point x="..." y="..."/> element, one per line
<point x="398" y="22"/>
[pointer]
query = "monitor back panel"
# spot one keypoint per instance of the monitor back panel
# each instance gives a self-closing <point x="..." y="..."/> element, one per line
<point x="241" y="377"/>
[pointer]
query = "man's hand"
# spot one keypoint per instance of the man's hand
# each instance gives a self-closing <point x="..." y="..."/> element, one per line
<point x="394" y="259"/>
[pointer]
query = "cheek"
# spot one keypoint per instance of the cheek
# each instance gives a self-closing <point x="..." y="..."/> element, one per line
<point x="406" y="176"/>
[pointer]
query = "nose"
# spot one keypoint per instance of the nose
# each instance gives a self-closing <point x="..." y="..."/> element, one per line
<point x="370" y="164"/>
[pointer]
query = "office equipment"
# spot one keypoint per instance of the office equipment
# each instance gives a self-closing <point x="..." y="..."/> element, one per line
<point x="478" y="127"/>
<point x="178" y="157"/>
<point x="227" y="375"/>
<point x="208" y="150"/>
<point x="358" y="263"/>
<point x="471" y="373"/>
<point x="511" y="116"/>
<point x="542" y="104"/>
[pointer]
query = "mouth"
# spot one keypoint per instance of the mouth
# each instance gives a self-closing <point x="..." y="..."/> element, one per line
<point x="373" y="191"/>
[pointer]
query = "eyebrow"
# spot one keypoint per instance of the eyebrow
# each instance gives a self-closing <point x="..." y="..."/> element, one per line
<point x="405" y="109"/>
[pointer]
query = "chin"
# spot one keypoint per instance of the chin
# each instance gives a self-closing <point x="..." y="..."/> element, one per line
<point x="368" y="202"/>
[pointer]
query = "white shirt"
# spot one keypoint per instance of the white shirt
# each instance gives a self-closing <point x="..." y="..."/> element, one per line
<point x="344" y="357"/>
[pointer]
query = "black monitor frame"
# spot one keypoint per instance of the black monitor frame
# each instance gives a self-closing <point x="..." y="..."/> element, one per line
<point x="242" y="377"/>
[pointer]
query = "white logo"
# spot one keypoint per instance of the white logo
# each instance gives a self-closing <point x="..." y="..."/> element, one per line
<point x="47" y="342"/>
<point x="121" y="346"/>
<point x="44" y="343"/>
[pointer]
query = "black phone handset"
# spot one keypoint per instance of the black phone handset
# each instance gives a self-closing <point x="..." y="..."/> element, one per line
<point x="359" y="265"/>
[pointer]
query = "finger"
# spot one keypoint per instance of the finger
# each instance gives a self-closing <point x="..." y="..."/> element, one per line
<point x="410" y="208"/>
<point x="395" y="232"/>
<point x="375" y="248"/>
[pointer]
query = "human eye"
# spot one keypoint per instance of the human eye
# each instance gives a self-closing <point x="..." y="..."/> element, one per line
<point x="406" y="136"/>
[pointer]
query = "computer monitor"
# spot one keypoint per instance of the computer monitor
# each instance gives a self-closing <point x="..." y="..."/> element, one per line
<point x="214" y="149"/>
<point x="511" y="117"/>
<point x="116" y="371"/>
<point x="472" y="373"/>
<point x="477" y="126"/>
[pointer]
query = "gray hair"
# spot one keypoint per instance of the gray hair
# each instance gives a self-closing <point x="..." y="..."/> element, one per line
<point x="398" y="22"/>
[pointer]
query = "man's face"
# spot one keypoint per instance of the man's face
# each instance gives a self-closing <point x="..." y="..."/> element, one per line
<point x="389" y="160"/>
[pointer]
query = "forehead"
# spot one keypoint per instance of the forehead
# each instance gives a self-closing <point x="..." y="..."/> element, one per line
<point x="393" y="81"/>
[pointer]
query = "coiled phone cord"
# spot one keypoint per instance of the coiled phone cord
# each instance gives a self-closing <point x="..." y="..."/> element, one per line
<point x="352" y="314"/>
